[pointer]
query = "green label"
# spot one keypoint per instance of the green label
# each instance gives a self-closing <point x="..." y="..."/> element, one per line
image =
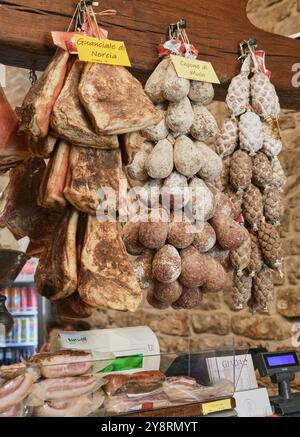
<point x="121" y="364"/>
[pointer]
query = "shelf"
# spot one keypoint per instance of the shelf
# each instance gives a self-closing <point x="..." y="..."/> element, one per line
<point x="20" y="283"/>
<point x="19" y="345"/>
<point x="190" y="410"/>
<point x="23" y="313"/>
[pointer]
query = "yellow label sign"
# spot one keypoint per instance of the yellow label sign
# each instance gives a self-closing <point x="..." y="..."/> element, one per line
<point x="193" y="69"/>
<point x="213" y="407"/>
<point x="102" y="51"/>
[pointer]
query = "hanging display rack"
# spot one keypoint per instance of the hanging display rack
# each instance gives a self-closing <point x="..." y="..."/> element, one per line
<point x="217" y="27"/>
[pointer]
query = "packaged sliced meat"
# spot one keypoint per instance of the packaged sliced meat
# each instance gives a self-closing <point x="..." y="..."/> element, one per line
<point x="185" y="389"/>
<point x="69" y="119"/>
<point x="77" y="407"/>
<point x="18" y="410"/>
<point x="54" y="179"/>
<point x="185" y="382"/>
<point x="12" y="371"/>
<point x="136" y="383"/>
<point x="115" y="101"/>
<point x="62" y="364"/>
<point x="19" y="211"/>
<point x="13" y="392"/>
<point x="180" y="388"/>
<point x="14" y="148"/>
<point x="39" y="101"/>
<point x="91" y="170"/>
<point x="106" y="276"/>
<point x="61" y="389"/>
<point x="56" y="274"/>
<point x="202" y="393"/>
<point x="123" y="404"/>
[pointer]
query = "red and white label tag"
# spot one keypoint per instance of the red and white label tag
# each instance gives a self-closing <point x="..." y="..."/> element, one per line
<point x="260" y="56"/>
<point x="179" y="48"/>
<point x="66" y="40"/>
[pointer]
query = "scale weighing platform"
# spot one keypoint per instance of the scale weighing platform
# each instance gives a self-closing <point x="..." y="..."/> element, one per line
<point x="281" y="367"/>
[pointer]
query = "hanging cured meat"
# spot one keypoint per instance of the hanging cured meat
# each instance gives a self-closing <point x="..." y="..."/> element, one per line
<point x="13" y="147"/>
<point x="56" y="275"/>
<point x="54" y="179"/>
<point x="106" y="277"/>
<point x="73" y="307"/>
<point x="39" y="102"/>
<point x="89" y="171"/>
<point x="19" y="210"/>
<point x="69" y="119"/>
<point x="115" y="100"/>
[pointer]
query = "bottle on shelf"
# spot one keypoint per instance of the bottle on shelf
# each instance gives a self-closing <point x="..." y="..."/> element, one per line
<point x="16" y="300"/>
<point x="23" y="329"/>
<point x="24" y="293"/>
<point x="34" y="299"/>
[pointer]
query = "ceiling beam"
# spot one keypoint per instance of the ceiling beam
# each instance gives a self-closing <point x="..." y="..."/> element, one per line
<point x="214" y="27"/>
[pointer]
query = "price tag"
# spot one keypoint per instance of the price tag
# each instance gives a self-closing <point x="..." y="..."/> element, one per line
<point x="213" y="407"/>
<point x="102" y="51"/>
<point x="193" y="69"/>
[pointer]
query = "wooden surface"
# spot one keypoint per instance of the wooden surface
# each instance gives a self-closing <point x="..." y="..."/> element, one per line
<point x="215" y="28"/>
<point x="189" y="410"/>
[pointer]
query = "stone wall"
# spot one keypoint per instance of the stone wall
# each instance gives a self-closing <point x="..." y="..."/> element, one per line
<point x="215" y="324"/>
<point x="278" y="16"/>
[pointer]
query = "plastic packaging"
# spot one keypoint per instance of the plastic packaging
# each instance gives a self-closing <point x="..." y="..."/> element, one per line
<point x="63" y="389"/>
<point x="76" y="407"/>
<point x="18" y="410"/>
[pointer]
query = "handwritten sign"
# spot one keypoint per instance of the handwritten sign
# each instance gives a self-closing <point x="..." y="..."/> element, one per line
<point x="102" y="51"/>
<point x="193" y="69"/>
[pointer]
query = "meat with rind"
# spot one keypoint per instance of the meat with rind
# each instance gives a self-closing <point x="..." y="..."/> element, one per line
<point x="56" y="274"/>
<point x="14" y="148"/>
<point x="69" y="119"/>
<point x="106" y="277"/>
<point x="115" y="101"/>
<point x="62" y="363"/>
<point x="54" y="179"/>
<point x="91" y="170"/>
<point x="72" y="308"/>
<point x="39" y="102"/>
<point x="19" y="210"/>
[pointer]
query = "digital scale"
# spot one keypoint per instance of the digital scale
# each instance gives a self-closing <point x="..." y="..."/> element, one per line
<point x="281" y="368"/>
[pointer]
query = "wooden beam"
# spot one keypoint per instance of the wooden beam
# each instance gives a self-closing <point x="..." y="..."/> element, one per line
<point x="215" y="28"/>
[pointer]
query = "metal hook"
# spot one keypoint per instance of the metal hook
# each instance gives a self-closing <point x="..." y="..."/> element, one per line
<point x="182" y="24"/>
<point x="175" y="29"/>
<point x="247" y="46"/>
<point x="173" y="32"/>
<point x="32" y="77"/>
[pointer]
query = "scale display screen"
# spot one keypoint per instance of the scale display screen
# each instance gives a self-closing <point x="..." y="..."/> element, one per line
<point x="281" y="360"/>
